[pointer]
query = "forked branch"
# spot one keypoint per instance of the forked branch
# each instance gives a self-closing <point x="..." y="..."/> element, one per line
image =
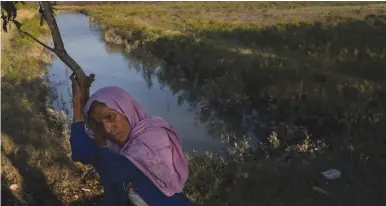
<point x="47" y="13"/>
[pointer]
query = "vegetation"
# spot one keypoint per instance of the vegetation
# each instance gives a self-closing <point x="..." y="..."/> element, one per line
<point x="314" y="72"/>
<point x="35" y="165"/>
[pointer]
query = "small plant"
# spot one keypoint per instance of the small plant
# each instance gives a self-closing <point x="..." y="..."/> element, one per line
<point x="274" y="140"/>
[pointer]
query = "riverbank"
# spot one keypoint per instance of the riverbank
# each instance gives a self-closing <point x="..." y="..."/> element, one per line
<point x="314" y="73"/>
<point x="36" y="168"/>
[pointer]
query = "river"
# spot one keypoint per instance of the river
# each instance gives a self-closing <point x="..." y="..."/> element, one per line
<point x="112" y="66"/>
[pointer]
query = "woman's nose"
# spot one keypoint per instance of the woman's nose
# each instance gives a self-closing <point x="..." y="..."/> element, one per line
<point x="108" y="128"/>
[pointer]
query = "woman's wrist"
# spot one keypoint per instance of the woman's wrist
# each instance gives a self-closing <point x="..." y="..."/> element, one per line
<point x="77" y="118"/>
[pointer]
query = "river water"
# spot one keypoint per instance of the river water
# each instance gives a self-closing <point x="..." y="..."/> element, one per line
<point x="112" y="66"/>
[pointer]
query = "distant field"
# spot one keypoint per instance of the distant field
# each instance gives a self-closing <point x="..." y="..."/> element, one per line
<point x="180" y="16"/>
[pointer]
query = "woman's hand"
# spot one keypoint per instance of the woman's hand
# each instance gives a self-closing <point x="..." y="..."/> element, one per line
<point x="99" y="134"/>
<point x="77" y="100"/>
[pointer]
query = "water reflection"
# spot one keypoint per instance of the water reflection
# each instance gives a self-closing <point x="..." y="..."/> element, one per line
<point x="218" y="121"/>
<point x="139" y="76"/>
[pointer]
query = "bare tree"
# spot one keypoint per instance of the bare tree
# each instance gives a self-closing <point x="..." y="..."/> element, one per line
<point x="47" y="15"/>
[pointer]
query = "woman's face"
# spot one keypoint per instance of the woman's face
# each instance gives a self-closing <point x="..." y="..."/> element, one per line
<point x="111" y="123"/>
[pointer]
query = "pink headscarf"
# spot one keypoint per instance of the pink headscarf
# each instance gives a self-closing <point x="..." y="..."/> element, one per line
<point x="153" y="145"/>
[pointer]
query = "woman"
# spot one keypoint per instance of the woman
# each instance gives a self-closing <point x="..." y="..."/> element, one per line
<point x="131" y="151"/>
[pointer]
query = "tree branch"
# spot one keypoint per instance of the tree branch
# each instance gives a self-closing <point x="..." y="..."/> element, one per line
<point x="18" y="25"/>
<point x="81" y="77"/>
<point x="48" y="14"/>
<point x="59" y="50"/>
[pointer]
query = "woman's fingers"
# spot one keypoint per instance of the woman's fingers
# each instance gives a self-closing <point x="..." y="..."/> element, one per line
<point x="77" y="95"/>
<point x="75" y="84"/>
<point x="72" y="77"/>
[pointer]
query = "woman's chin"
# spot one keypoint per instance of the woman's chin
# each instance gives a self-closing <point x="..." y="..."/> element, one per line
<point x="118" y="141"/>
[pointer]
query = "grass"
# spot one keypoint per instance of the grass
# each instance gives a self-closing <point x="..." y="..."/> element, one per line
<point x="313" y="71"/>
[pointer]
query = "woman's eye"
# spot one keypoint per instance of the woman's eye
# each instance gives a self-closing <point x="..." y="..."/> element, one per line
<point x="110" y="117"/>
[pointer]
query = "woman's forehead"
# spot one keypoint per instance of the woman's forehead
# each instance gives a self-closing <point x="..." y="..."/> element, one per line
<point x="98" y="108"/>
<point x="97" y="104"/>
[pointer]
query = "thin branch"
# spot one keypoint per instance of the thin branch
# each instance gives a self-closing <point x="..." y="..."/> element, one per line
<point x="37" y="40"/>
<point x="32" y="37"/>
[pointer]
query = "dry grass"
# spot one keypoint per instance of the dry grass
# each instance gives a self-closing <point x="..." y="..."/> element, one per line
<point x="182" y="16"/>
<point x="5" y="38"/>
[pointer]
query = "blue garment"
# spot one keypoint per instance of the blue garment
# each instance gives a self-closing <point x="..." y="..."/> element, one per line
<point x="116" y="172"/>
